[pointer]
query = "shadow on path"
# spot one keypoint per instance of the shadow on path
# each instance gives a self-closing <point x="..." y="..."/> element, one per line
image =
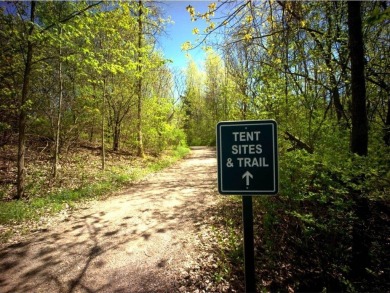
<point x="136" y="241"/>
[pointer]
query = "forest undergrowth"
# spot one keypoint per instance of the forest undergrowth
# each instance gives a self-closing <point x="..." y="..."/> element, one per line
<point x="290" y="255"/>
<point x="304" y="236"/>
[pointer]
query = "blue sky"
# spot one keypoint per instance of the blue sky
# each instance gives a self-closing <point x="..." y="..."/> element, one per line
<point x="181" y="31"/>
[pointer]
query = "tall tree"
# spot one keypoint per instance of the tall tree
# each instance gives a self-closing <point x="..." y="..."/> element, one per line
<point x="60" y="98"/>
<point x="359" y="139"/>
<point x="23" y="104"/>
<point x="140" y="20"/>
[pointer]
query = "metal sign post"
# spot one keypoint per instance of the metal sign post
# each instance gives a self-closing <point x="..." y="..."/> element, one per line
<point x="249" y="251"/>
<point x="248" y="165"/>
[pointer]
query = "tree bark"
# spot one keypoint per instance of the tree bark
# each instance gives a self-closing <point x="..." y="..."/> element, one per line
<point x="23" y="111"/>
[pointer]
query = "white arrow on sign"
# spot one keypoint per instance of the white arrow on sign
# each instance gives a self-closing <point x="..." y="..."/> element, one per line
<point x="247" y="175"/>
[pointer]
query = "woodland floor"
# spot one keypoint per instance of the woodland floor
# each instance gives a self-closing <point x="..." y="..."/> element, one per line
<point x="147" y="238"/>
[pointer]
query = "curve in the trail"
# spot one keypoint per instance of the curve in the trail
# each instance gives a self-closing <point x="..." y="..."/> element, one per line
<point x="135" y="241"/>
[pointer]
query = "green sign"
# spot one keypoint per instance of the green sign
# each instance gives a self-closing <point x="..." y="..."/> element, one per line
<point x="247" y="157"/>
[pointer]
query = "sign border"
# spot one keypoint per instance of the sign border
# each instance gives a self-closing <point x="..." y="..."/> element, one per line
<point x="275" y="174"/>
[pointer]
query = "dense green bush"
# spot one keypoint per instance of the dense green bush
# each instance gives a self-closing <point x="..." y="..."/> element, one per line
<point x="307" y="232"/>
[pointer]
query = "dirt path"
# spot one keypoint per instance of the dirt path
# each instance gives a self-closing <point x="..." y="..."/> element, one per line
<point x="137" y="241"/>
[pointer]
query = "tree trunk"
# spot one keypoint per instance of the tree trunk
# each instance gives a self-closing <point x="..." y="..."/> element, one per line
<point x="23" y="111"/>
<point x="386" y="136"/>
<point x="140" y="151"/>
<point x="359" y="143"/>
<point x="102" y="134"/>
<point x="58" y="126"/>
<point x="359" y="135"/>
<point x="117" y="134"/>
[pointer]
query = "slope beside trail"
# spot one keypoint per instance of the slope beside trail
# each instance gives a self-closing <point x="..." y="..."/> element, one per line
<point x="136" y="241"/>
